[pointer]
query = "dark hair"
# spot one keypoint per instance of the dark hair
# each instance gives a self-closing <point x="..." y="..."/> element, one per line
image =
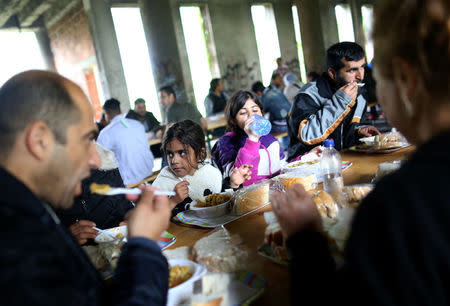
<point x="234" y="105"/>
<point x="347" y="50"/>
<point x="112" y="106"/>
<point x="258" y="86"/>
<point x="139" y="100"/>
<point x="275" y="75"/>
<point x="213" y="84"/>
<point x="31" y="96"/>
<point x="169" y="90"/>
<point x="188" y="133"/>
<point x="313" y="75"/>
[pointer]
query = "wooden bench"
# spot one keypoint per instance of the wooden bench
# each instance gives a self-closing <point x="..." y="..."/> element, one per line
<point x="149" y="179"/>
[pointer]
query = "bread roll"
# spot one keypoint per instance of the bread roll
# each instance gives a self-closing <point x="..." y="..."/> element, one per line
<point x="389" y="140"/>
<point x="250" y="198"/>
<point x="356" y="193"/>
<point x="308" y="181"/>
<point x="325" y="204"/>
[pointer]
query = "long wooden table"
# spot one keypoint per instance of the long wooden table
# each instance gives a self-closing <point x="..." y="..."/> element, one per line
<point x="251" y="228"/>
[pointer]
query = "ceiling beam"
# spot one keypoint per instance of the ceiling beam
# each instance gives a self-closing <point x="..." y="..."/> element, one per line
<point x="8" y="8"/>
<point x="30" y="13"/>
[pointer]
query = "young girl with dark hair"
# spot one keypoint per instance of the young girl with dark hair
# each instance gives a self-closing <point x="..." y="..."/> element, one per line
<point x="241" y="146"/>
<point x="187" y="174"/>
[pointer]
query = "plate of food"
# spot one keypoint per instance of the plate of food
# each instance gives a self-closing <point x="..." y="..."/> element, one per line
<point x="213" y="205"/>
<point x="182" y="275"/>
<point x="383" y="143"/>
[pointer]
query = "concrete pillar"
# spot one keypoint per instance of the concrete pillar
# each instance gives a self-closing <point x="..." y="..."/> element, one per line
<point x="107" y="51"/>
<point x="235" y="42"/>
<point x="46" y="50"/>
<point x="164" y="46"/>
<point x="329" y="22"/>
<point x="355" y="6"/>
<point x="286" y="35"/>
<point x="314" y="49"/>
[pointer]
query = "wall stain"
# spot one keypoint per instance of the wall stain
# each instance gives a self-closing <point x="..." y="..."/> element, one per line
<point x="240" y="76"/>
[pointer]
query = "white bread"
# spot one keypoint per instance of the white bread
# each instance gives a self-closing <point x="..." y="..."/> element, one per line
<point x="288" y="180"/>
<point x="356" y="193"/>
<point x="325" y="204"/>
<point x="183" y="252"/>
<point x="250" y="198"/>
<point x="388" y="140"/>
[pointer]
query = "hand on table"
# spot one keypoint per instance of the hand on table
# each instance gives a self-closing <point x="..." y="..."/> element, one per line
<point x="317" y="150"/>
<point x="240" y="175"/>
<point x="296" y="211"/>
<point x="351" y="90"/>
<point x="83" y="230"/>
<point x="151" y="216"/>
<point x="368" y="131"/>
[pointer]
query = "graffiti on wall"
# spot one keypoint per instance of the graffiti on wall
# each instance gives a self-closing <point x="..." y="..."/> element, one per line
<point x="240" y="75"/>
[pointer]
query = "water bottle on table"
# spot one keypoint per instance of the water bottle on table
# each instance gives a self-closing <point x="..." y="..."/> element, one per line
<point x="261" y="126"/>
<point x="331" y="169"/>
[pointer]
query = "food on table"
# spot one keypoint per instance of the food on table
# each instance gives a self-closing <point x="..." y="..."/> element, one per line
<point x="386" y="168"/>
<point x="178" y="275"/>
<point x="288" y="180"/>
<point x="356" y="193"/>
<point x="220" y="252"/>
<point x="213" y="200"/>
<point x="301" y="163"/>
<point x="214" y="290"/>
<point x="250" y="198"/>
<point x="99" y="188"/>
<point x="275" y="239"/>
<point x="388" y="140"/>
<point x="325" y="204"/>
<point x="183" y="252"/>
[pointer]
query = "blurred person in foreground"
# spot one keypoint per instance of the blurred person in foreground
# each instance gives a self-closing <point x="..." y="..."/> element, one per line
<point x="398" y="252"/>
<point x="42" y="162"/>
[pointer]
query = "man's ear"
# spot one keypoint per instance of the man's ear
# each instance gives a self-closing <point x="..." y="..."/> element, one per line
<point x="331" y="73"/>
<point x="39" y="140"/>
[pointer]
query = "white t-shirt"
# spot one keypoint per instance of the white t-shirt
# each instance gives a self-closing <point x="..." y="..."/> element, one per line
<point x="127" y="139"/>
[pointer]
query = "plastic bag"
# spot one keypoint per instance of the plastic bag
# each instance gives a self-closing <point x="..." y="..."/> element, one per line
<point x="250" y="198"/>
<point x="386" y="168"/>
<point x="289" y="179"/>
<point x="221" y="252"/>
<point x="354" y="194"/>
<point x="389" y="140"/>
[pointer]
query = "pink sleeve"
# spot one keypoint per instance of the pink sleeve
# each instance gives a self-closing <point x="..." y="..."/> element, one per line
<point x="248" y="154"/>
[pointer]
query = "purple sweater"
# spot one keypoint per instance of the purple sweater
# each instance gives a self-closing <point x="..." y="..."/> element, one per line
<point x="235" y="149"/>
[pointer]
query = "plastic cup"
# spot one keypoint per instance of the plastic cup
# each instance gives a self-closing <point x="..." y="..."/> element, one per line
<point x="261" y="126"/>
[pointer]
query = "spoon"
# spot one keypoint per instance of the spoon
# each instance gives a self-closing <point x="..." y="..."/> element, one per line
<point x="121" y="190"/>
<point x="360" y="84"/>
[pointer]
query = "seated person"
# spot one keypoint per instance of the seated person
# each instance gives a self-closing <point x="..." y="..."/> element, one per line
<point x="276" y="104"/>
<point x="293" y="86"/>
<point x="258" y="88"/>
<point x="332" y="106"/>
<point x="94" y="209"/>
<point x="177" y="111"/>
<point x="399" y="246"/>
<point x="151" y="124"/>
<point x="127" y="139"/>
<point x="216" y="99"/>
<point x="43" y="161"/>
<point x="241" y="146"/>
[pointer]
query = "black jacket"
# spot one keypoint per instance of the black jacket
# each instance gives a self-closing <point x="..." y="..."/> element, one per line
<point x="42" y="264"/>
<point x="399" y="248"/>
<point x="152" y="123"/>
<point x="104" y="211"/>
<point x="322" y="112"/>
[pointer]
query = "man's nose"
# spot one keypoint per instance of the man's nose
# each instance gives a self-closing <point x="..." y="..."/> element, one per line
<point x="95" y="161"/>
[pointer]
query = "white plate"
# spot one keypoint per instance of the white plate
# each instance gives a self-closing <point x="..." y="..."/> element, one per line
<point x="368" y="140"/>
<point x="184" y="290"/>
<point x="117" y="232"/>
<point x="211" y="211"/>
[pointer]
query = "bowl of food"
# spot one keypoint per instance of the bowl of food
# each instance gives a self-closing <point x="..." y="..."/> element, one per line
<point x="213" y="205"/>
<point x="182" y="275"/>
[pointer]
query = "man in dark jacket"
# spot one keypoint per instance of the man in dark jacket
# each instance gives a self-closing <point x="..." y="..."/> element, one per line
<point x="149" y="121"/>
<point x="332" y="106"/>
<point x="216" y="100"/>
<point x="42" y="162"/>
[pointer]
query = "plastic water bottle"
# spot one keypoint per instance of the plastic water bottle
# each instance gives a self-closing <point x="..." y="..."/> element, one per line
<point x="331" y="169"/>
<point x="261" y="126"/>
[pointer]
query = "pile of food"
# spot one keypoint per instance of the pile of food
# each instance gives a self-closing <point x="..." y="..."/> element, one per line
<point x="99" y="188"/>
<point x="301" y="163"/>
<point x="250" y="198"/>
<point x="308" y="180"/>
<point x="178" y="275"/>
<point x="213" y="200"/>
<point x="389" y="140"/>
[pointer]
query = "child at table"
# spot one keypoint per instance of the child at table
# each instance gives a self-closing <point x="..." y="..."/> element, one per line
<point x="241" y="146"/>
<point x="187" y="173"/>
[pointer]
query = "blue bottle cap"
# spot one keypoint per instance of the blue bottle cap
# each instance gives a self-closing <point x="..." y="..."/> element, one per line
<point x="328" y="143"/>
<point x="261" y="125"/>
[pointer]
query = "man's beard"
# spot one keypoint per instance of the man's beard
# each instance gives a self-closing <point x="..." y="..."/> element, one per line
<point x="340" y="81"/>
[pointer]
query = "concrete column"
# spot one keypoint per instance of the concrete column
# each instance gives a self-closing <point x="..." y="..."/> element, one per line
<point x="314" y="49"/>
<point x="46" y="50"/>
<point x="355" y="6"/>
<point x="159" y="19"/>
<point x="235" y="42"/>
<point x="107" y="51"/>
<point x="329" y="22"/>
<point x="286" y="35"/>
